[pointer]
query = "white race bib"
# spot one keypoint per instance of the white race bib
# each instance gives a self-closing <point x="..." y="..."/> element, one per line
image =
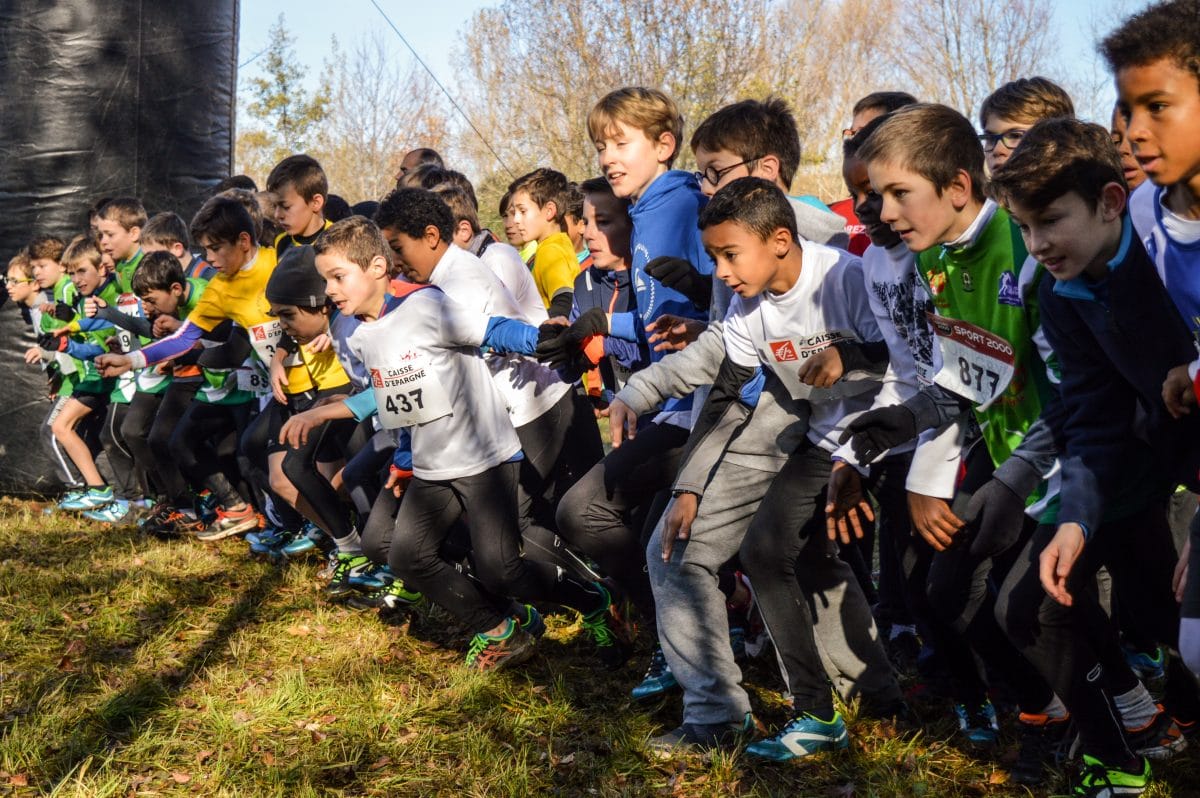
<point x="409" y="394"/>
<point x="265" y="339"/>
<point x="252" y="380"/>
<point x="976" y="364"/>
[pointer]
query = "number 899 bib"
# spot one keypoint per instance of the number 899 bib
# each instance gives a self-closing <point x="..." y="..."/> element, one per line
<point x="976" y="364"/>
<point x="408" y="395"/>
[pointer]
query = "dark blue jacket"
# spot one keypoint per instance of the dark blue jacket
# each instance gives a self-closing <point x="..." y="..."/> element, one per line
<point x="1116" y="339"/>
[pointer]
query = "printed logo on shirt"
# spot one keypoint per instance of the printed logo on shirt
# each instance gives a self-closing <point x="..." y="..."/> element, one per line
<point x="967" y="283"/>
<point x="260" y="334"/>
<point x="937" y="282"/>
<point x="1009" y="294"/>
<point x="376" y="378"/>
<point x="783" y="351"/>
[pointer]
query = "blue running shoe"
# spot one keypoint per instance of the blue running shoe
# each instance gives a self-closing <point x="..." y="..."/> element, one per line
<point x="91" y="499"/>
<point x="978" y="724"/>
<point x="309" y="538"/>
<point x="1148" y="666"/>
<point x="658" y="680"/>
<point x="530" y="620"/>
<point x="803" y="736"/>
<point x="111" y="513"/>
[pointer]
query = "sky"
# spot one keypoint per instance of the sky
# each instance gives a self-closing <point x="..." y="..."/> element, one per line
<point x="433" y="27"/>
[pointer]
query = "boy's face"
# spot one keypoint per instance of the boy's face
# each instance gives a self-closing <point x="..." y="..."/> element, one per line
<point x="47" y="272"/>
<point x="295" y="215"/>
<point x="353" y="289"/>
<point x="1067" y="236"/>
<point x="86" y="276"/>
<point x="227" y="257"/>
<point x="913" y="207"/>
<point x="1161" y="101"/>
<point x="158" y="302"/>
<point x="1134" y="176"/>
<point x="867" y="203"/>
<point x="510" y="228"/>
<point x="19" y="286"/>
<point x="727" y="167"/>
<point x="630" y="160"/>
<point x="999" y="127"/>
<point x="416" y="257"/>
<point x="574" y="231"/>
<point x="533" y="223"/>
<point x="606" y="230"/>
<point x="744" y="262"/>
<point x="115" y="241"/>
<point x="302" y="324"/>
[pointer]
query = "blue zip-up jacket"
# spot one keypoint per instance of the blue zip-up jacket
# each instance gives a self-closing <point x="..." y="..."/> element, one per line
<point x="1115" y="339"/>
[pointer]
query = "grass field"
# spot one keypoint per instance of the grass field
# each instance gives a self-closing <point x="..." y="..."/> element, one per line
<point x="131" y="666"/>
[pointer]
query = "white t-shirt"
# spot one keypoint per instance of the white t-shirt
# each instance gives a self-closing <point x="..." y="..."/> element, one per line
<point x="425" y="368"/>
<point x="505" y="261"/>
<point x="827" y="304"/>
<point x="528" y="387"/>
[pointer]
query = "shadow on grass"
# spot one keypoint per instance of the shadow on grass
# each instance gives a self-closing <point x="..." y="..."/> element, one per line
<point x="114" y="724"/>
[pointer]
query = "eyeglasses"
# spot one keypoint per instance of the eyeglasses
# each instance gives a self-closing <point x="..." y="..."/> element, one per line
<point x="16" y="281"/>
<point x="714" y="175"/>
<point x="1010" y="138"/>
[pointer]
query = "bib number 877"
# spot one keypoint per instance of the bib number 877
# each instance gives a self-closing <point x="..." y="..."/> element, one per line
<point x="405" y="401"/>
<point x="975" y="374"/>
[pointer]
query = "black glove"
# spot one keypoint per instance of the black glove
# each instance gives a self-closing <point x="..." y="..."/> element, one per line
<point x="548" y="332"/>
<point x="997" y="515"/>
<point x="560" y="351"/>
<point x="52" y="343"/>
<point x="63" y="311"/>
<point x="682" y="276"/>
<point x="876" y="431"/>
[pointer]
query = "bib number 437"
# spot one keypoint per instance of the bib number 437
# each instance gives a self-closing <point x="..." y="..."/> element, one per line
<point x="405" y="401"/>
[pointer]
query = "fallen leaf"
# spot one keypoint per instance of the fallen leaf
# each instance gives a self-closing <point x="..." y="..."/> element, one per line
<point x="998" y="777"/>
<point x="325" y="720"/>
<point x="569" y="759"/>
<point x="407" y="737"/>
<point x="299" y="630"/>
<point x="137" y="562"/>
<point x="181" y="778"/>
<point x="380" y="763"/>
<point x="318" y="736"/>
<point x="268" y="758"/>
<point x="203" y="756"/>
<point x="19" y="780"/>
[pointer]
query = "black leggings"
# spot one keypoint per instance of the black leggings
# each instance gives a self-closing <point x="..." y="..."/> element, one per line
<point x="606" y="514"/>
<point x="366" y="471"/>
<point x="1077" y="648"/>
<point x="147" y="430"/>
<point x="204" y="446"/>
<point x="489" y="499"/>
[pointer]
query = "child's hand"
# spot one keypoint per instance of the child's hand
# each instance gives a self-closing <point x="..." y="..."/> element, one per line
<point x="1177" y="392"/>
<point x="622" y="422"/>
<point x="295" y="430"/>
<point x="671" y="333"/>
<point x="279" y="382"/>
<point x="113" y="365"/>
<point x="46" y="307"/>
<point x="933" y="520"/>
<point x="845" y="505"/>
<point x="397" y="481"/>
<point x="92" y="305"/>
<point x="319" y="344"/>
<point x="677" y="522"/>
<point x="33" y="355"/>
<point x="1180" y="577"/>
<point x="164" y="325"/>
<point x="1057" y="559"/>
<point x="823" y="369"/>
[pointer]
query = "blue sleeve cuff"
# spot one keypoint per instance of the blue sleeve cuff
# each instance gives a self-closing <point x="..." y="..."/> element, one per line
<point x="624" y="326"/>
<point x="362" y="404"/>
<point x="509" y="335"/>
<point x="402" y="457"/>
<point x="92" y="324"/>
<point x="81" y="351"/>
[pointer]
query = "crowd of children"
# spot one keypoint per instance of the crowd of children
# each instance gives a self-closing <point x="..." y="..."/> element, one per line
<point x="937" y="430"/>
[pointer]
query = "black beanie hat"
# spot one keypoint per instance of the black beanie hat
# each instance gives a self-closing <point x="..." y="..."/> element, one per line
<point x="296" y="280"/>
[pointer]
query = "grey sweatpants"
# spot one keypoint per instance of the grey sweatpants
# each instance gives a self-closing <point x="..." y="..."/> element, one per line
<point x="690" y="608"/>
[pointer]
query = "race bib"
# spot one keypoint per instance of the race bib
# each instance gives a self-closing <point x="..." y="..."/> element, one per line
<point x="265" y="340"/>
<point x="976" y="364"/>
<point x="66" y="363"/>
<point x="786" y="358"/>
<point x="408" y="395"/>
<point x="252" y="380"/>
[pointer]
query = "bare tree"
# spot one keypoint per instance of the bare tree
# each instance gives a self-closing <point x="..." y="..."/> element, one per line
<point x="958" y="51"/>
<point x="378" y="110"/>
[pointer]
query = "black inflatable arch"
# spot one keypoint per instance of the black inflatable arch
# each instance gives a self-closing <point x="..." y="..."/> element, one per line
<point x="100" y="98"/>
